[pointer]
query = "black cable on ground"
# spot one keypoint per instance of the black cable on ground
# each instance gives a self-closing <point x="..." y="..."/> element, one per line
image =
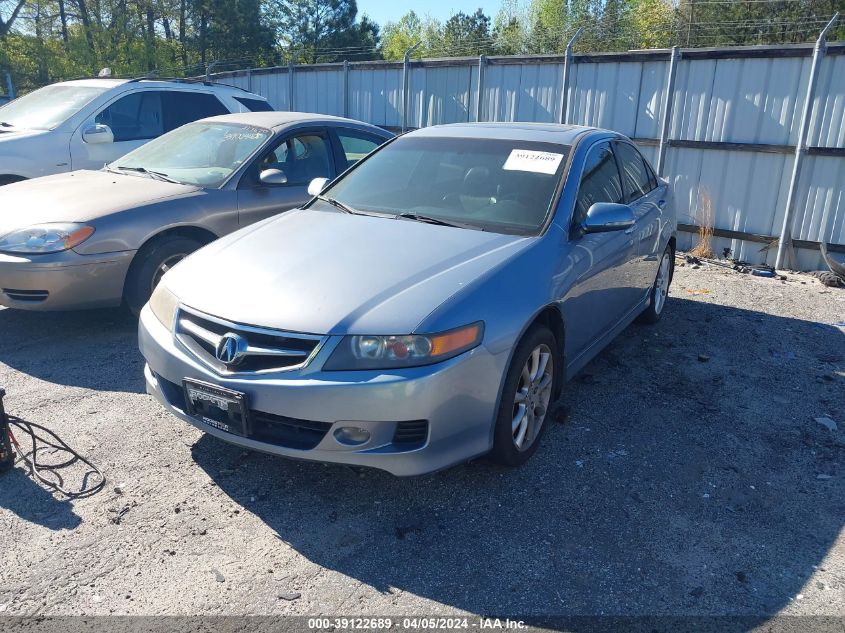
<point x="50" y="442"/>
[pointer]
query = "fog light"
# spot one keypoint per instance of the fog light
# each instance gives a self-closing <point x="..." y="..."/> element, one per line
<point x="352" y="435"/>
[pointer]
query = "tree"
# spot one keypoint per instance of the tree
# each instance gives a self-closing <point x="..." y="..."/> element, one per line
<point x="465" y="35"/>
<point x="12" y="8"/>
<point x="315" y="30"/>
<point x="398" y="37"/>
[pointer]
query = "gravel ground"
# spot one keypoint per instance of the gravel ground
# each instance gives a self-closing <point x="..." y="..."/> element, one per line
<point x="685" y="473"/>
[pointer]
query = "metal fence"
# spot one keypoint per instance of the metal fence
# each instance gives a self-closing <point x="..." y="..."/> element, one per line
<point x="723" y="125"/>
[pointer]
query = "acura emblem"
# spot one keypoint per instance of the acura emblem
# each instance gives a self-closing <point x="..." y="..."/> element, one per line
<point x="231" y="349"/>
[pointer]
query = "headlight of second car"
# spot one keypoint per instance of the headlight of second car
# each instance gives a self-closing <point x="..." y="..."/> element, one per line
<point x="45" y="238"/>
<point x="415" y="350"/>
<point x="163" y="304"/>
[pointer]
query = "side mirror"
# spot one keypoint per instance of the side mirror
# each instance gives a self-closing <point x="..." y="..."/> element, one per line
<point x="97" y="134"/>
<point x="603" y="217"/>
<point x="316" y="186"/>
<point x="273" y="177"/>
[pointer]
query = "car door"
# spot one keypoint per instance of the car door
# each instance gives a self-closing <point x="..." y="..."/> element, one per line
<point x="301" y="155"/>
<point x="646" y="199"/>
<point x="605" y="290"/>
<point x="137" y="118"/>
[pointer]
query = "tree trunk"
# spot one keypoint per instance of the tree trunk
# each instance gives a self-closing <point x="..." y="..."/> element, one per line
<point x="6" y="27"/>
<point x="85" y="16"/>
<point x="63" y="18"/>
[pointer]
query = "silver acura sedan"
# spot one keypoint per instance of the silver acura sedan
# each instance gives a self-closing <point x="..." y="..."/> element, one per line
<point x="423" y="309"/>
<point x="90" y="239"/>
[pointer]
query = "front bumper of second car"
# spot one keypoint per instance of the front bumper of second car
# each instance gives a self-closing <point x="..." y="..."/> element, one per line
<point x="63" y="281"/>
<point x="455" y="402"/>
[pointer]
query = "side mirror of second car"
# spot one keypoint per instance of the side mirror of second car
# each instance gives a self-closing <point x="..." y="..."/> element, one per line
<point x="603" y="217"/>
<point x="273" y="177"/>
<point x="316" y="186"/>
<point x="97" y="134"/>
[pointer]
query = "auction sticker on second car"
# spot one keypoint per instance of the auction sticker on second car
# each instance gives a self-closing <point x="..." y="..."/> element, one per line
<point x="530" y="160"/>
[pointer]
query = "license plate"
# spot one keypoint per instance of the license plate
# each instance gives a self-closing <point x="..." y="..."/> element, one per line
<point x="218" y="407"/>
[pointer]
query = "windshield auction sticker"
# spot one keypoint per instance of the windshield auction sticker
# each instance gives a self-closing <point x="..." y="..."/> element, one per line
<point x="529" y="160"/>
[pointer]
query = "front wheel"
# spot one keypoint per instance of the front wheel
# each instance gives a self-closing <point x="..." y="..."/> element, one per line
<point x="526" y="397"/>
<point x="150" y="265"/>
<point x="660" y="289"/>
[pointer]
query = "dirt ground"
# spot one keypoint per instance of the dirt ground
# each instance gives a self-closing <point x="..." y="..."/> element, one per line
<point x="685" y="473"/>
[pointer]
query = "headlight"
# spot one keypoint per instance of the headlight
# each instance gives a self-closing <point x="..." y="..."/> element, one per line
<point x="163" y="304"/>
<point x="45" y="238"/>
<point x="388" y="352"/>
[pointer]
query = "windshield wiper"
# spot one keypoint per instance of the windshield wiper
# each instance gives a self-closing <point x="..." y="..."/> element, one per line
<point x="153" y="174"/>
<point x="337" y="204"/>
<point x="430" y="219"/>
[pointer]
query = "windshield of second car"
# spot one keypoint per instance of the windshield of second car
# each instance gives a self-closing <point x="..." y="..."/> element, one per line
<point x="203" y="154"/>
<point x="48" y="107"/>
<point x="505" y="186"/>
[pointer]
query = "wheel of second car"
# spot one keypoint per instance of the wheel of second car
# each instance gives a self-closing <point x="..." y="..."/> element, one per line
<point x="660" y="289"/>
<point x="527" y="395"/>
<point x="150" y="265"/>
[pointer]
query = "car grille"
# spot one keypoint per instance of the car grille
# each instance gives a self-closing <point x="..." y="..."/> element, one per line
<point x="33" y="296"/>
<point x="266" y="350"/>
<point x="264" y="427"/>
<point x="411" y="433"/>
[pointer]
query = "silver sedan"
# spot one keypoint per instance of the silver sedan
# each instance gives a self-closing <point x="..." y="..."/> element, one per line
<point x="426" y="307"/>
<point x="91" y="239"/>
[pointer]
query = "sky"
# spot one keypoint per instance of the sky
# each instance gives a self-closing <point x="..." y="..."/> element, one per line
<point x="383" y="11"/>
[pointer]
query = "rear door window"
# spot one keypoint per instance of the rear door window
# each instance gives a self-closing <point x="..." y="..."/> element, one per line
<point x="356" y="145"/>
<point x="181" y="107"/>
<point x="600" y="182"/>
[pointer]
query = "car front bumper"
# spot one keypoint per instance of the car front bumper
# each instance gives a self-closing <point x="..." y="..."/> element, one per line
<point x="63" y="281"/>
<point x="457" y="398"/>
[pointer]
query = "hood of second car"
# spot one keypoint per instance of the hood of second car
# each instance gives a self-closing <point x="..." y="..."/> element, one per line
<point x="332" y="273"/>
<point x="79" y="196"/>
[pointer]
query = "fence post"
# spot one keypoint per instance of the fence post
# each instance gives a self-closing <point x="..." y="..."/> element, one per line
<point x="668" y="103"/>
<point x="290" y="84"/>
<point x="479" y="97"/>
<point x="249" y="79"/>
<point x="10" y="86"/>
<point x="406" y="81"/>
<point x="346" y="88"/>
<point x="567" y="67"/>
<point x="785" y="249"/>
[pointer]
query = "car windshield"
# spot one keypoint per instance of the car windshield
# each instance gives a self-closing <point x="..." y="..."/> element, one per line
<point x="48" y="107"/>
<point x="505" y="186"/>
<point x="203" y="154"/>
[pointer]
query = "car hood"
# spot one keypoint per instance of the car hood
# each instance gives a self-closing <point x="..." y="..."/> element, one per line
<point x="332" y="273"/>
<point x="79" y="196"/>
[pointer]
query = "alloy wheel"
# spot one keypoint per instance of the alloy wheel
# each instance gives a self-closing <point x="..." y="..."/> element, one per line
<point x="533" y="394"/>
<point x="661" y="286"/>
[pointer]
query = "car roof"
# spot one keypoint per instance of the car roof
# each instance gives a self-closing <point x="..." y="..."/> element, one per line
<point x="282" y="119"/>
<point x="109" y="82"/>
<point x="542" y="132"/>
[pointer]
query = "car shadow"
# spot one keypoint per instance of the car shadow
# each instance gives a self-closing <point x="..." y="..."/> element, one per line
<point x="684" y="474"/>
<point x="23" y="496"/>
<point x="94" y="349"/>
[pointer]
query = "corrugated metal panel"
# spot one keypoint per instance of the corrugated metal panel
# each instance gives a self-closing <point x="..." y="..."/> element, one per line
<point x="442" y="95"/>
<point x="375" y="96"/>
<point x="828" y="122"/>
<point x="740" y="100"/>
<point x="273" y="87"/>
<point x="529" y="92"/>
<point x="319" y="92"/>
<point x="619" y="96"/>
<point x="820" y="212"/>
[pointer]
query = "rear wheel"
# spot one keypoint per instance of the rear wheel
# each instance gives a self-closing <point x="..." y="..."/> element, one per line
<point x="660" y="289"/>
<point x="150" y="265"/>
<point x="527" y="396"/>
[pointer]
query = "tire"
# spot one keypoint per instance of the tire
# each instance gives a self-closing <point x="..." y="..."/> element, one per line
<point x="527" y="419"/>
<point x="151" y="262"/>
<point x="660" y="289"/>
